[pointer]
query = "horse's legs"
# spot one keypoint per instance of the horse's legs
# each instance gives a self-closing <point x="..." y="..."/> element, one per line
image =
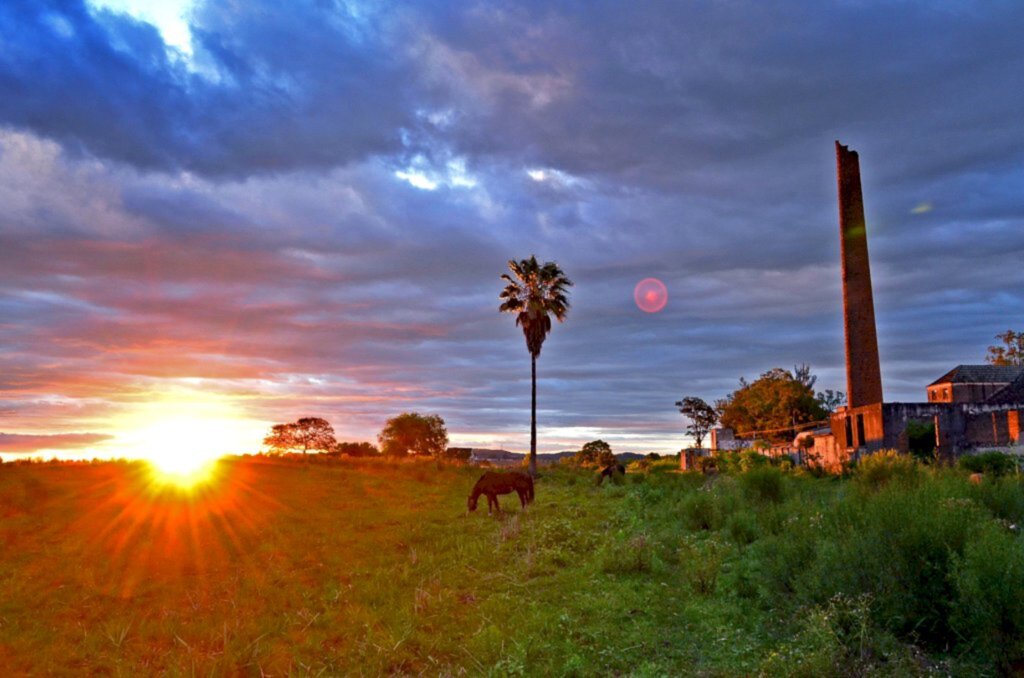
<point x="522" y="497"/>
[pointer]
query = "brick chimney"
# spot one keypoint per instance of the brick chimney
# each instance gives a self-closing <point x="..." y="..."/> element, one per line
<point x="863" y="375"/>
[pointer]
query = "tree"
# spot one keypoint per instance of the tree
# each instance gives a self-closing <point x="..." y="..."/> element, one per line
<point x="701" y="415"/>
<point x="773" y="405"/>
<point x="831" y="400"/>
<point x="356" y="449"/>
<point x="595" y="453"/>
<point x="306" y="434"/>
<point x="1010" y="353"/>
<point x="413" y="433"/>
<point x="535" y="292"/>
<point x="462" y="454"/>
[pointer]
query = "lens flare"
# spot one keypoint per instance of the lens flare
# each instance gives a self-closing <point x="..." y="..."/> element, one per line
<point x="650" y="295"/>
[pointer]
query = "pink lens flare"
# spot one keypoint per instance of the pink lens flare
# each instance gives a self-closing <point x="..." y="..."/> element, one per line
<point x="650" y="295"/>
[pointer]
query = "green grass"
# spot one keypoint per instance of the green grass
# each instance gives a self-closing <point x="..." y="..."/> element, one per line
<point x="370" y="567"/>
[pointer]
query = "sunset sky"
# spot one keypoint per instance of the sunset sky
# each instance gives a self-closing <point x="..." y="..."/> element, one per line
<point x="215" y="216"/>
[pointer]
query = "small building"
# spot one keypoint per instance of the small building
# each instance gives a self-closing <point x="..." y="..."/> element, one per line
<point x="972" y="383"/>
<point x="725" y="439"/>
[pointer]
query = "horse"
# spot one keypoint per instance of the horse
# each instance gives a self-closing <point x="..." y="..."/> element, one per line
<point x="492" y="484"/>
<point x="610" y="471"/>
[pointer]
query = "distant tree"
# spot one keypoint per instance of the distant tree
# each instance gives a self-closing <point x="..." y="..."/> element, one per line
<point x="831" y="400"/>
<point x="802" y="375"/>
<point x="921" y="439"/>
<point x="595" y="453"/>
<point x="305" y="435"/>
<point x="1010" y="353"/>
<point x="413" y="433"/>
<point x="701" y="415"/>
<point x="773" y="405"/>
<point x="357" y="449"/>
<point x="458" y="454"/>
<point x="535" y="292"/>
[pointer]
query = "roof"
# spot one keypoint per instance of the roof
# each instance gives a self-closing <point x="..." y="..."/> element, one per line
<point x="980" y="374"/>
<point x="1009" y="395"/>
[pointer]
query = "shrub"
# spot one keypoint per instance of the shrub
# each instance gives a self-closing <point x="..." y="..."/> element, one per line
<point x="993" y="463"/>
<point x="1004" y="497"/>
<point x="887" y="466"/>
<point x="706" y="464"/>
<point x="746" y="460"/>
<point x="921" y="439"/>
<point x="763" y="484"/>
<point x="742" y="527"/>
<point x="839" y="639"/>
<point x="701" y="512"/>
<point x="701" y="560"/>
<point x="989" y="607"/>
<point x="641" y="466"/>
<point x="357" y="449"/>
<point x="899" y="544"/>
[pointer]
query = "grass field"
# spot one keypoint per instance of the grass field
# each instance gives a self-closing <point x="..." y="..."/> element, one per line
<point x="373" y="567"/>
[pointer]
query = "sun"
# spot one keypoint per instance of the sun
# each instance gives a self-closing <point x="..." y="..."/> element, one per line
<point x="183" y="450"/>
<point x="183" y="436"/>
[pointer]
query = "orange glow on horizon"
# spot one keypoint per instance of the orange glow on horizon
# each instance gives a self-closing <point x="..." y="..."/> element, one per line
<point x="183" y="434"/>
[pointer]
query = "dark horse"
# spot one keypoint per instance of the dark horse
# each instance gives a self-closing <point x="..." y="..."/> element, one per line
<point x="611" y="470"/>
<point x="492" y="484"/>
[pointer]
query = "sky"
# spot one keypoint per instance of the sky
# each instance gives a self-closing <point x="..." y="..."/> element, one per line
<point x="215" y="216"/>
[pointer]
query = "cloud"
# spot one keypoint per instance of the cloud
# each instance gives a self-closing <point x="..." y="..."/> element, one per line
<point x="255" y="219"/>
<point x="14" y="443"/>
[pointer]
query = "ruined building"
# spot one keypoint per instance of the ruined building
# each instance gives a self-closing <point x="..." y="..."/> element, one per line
<point x="970" y="406"/>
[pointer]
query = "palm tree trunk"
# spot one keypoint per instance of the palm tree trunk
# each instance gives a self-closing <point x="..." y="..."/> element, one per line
<point x="533" y="417"/>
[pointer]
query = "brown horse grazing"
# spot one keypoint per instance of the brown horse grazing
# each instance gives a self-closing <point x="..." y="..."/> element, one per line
<point x="611" y="470"/>
<point x="492" y="484"/>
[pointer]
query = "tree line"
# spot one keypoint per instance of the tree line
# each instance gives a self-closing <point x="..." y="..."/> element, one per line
<point x="407" y="434"/>
<point x="773" y="407"/>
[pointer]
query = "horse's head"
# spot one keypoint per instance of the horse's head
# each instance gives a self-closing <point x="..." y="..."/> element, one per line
<point x="471" y="502"/>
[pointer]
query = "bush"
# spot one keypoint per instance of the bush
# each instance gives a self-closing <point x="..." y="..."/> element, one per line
<point x="921" y="439"/>
<point x="993" y="463"/>
<point x="899" y="544"/>
<point x="742" y="527"/>
<point x="356" y="449"/>
<point x="701" y="560"/>
<point x="741" y="461"/>
<point x="763" y="484"/>
<point x="989" y="607"/>
<point x="701" y="512"/>
<point x="1004" y="497"/>
<point x="877" y="470"/>
<point x="641" y="466"/>
<point x="839" y="639"/>
<point x="706" y="464"/>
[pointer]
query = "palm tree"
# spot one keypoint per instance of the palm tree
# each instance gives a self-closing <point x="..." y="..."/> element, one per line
<point x="534" y="293"/>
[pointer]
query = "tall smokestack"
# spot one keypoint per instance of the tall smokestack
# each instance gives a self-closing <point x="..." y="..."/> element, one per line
<point x="863" y="375"/>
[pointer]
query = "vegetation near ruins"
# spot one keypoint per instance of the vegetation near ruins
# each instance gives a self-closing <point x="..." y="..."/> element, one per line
<point x="324" y="564"/>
